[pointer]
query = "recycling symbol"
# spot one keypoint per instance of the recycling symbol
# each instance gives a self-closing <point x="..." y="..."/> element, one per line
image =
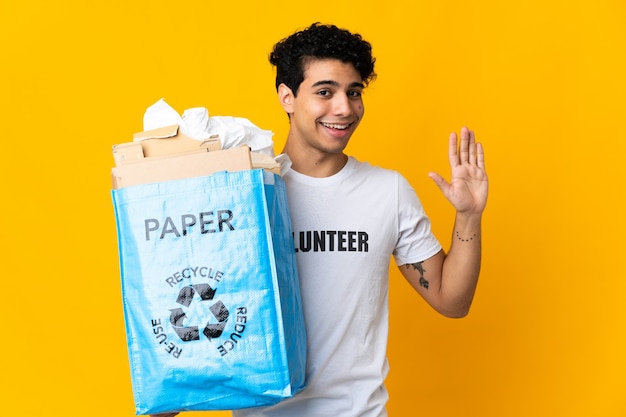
<point x="185" y="297"/>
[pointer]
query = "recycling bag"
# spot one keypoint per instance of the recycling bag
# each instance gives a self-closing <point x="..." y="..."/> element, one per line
<point x="210" y="292"/>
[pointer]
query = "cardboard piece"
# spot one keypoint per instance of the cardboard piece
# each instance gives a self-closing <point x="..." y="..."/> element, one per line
<point x="266" y="162"/>
<point x="168" y="140"/>
<point x="179" y="166"/>
<point x="165" y="154"/>
<point x="153" y="144"/>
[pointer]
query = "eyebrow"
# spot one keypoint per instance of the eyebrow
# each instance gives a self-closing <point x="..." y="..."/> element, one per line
<point x="336" y="84"/>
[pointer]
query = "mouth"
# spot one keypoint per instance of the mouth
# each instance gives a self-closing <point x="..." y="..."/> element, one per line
<point x="337" y="126"/>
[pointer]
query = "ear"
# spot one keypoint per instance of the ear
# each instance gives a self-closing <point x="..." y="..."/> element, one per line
<point x="285" y="97"/>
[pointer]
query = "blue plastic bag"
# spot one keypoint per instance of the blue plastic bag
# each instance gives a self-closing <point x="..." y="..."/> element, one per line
<point x="210" y="292"/>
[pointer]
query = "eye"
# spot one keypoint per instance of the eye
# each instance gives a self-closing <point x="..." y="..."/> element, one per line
<point x="324" y="93"/>
<point x="354" y="93"/>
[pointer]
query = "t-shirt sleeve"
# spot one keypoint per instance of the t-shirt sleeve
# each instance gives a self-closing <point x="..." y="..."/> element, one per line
<point x="416" y="241"/>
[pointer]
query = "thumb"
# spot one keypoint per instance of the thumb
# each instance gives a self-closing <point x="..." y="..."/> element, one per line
<point x="438" y="179"/>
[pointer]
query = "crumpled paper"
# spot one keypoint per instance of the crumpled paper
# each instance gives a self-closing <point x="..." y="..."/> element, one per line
<point x="196" y="123"/>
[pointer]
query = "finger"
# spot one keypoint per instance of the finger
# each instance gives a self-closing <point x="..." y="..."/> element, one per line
<point x="464" y="146"/>
<point x="472" y="148"/>
<point x="480" y="156"/>
<point x="453" y="155"/>
<point x="441" y="183"/>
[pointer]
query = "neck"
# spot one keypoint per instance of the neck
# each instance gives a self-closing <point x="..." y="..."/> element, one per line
<point x="315" y="164"/>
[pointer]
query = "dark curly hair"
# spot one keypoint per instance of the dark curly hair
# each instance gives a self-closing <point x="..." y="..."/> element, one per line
<point x="291" y="55"/>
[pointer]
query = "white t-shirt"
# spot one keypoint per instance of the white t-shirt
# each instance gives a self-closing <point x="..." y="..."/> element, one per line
<point x="346" y="228"/>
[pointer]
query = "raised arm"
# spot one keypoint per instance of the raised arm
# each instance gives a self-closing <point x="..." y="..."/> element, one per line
<point x="448" y="281"/>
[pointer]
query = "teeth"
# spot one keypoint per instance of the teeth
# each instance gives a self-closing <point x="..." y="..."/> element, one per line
<point x="336" y="126"/>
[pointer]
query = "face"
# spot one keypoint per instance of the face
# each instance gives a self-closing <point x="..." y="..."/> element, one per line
<point x="328" y="107"/>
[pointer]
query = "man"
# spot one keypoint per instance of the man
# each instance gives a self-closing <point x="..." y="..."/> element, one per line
<point x="349" y="218"/>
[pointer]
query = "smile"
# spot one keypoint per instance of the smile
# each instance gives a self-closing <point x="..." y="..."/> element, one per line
<point x="337" y="125"/>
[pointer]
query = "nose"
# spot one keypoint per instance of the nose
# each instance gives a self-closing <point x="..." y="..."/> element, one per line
<point x="342" y="105"/>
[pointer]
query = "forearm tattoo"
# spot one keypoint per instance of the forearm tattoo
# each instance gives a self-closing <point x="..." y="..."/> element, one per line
<point x="458" y="236"/>
<point x="418" y="266"/>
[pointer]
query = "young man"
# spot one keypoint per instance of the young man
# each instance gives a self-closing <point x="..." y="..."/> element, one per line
<point x="349" y="218"/>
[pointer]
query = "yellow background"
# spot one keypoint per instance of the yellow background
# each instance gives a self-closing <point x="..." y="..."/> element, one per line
<point x="542" y="83"/>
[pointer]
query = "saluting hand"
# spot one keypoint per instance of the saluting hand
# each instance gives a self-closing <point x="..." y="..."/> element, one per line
<point x="468" y="187"/>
